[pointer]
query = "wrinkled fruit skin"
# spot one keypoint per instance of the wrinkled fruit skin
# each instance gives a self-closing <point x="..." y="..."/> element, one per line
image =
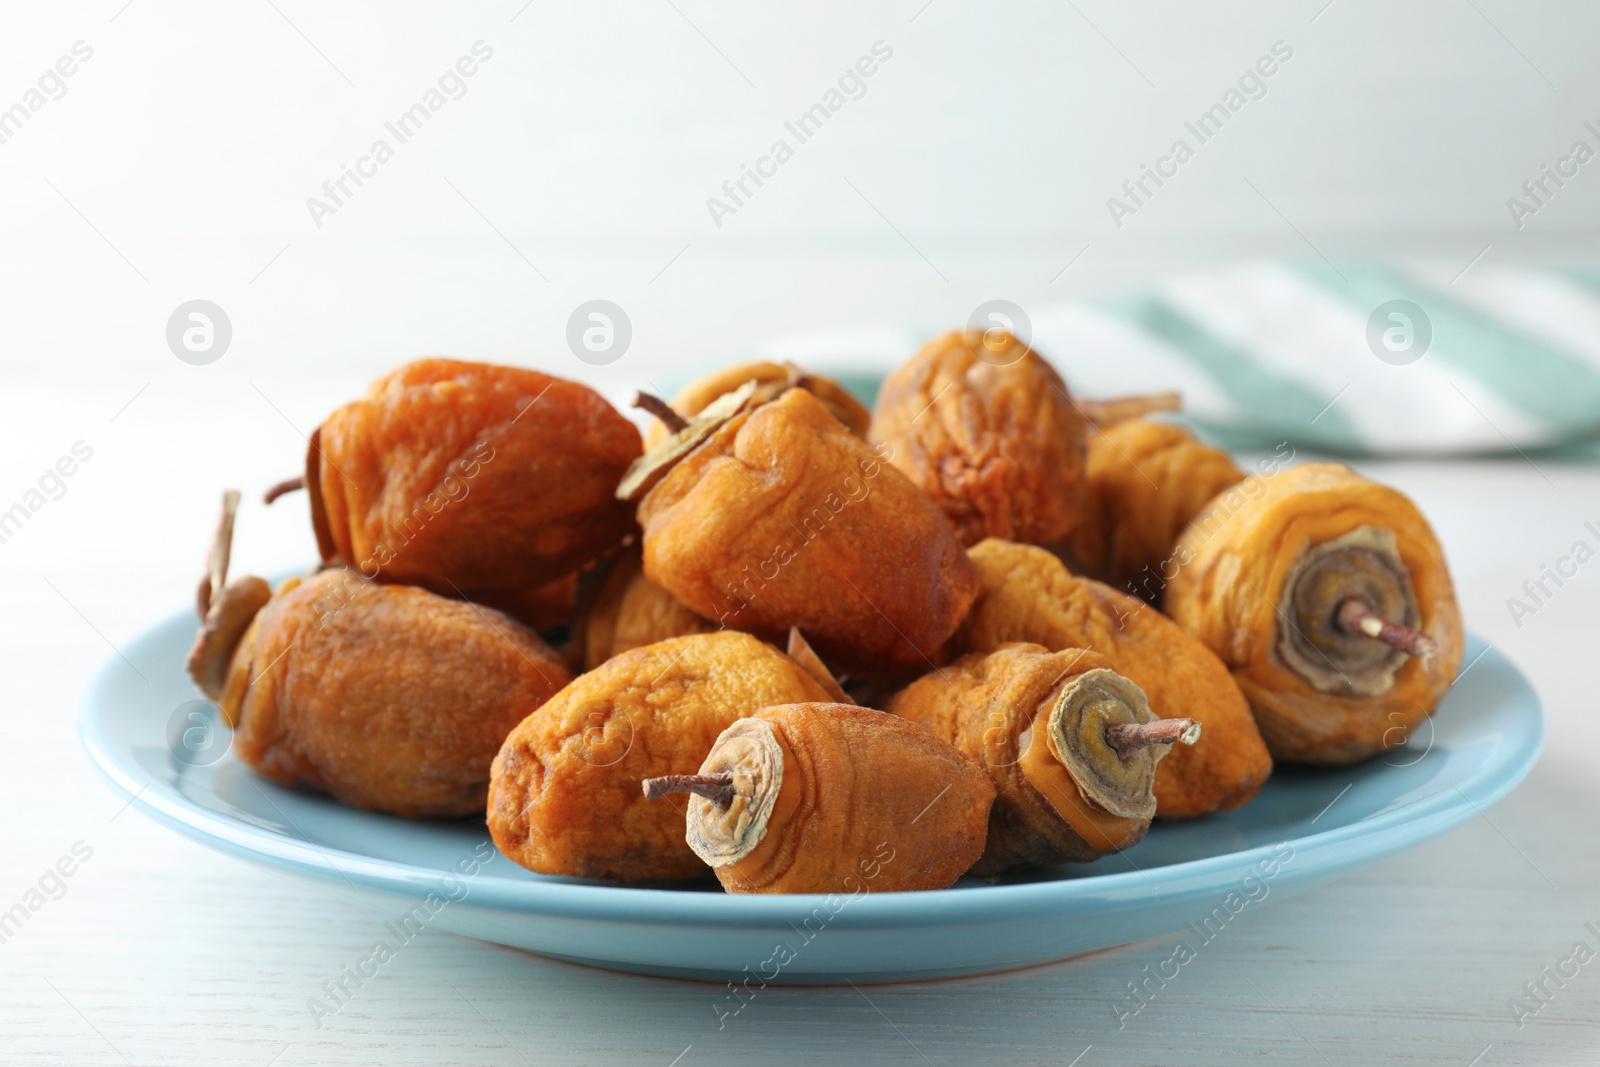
<point x="538" y="608"/>
<point x="694" y="397"/>
<point x="388" y="697"/>
<point x="1228" y="588"/>
<point x="784" y="518"/>
<point x="565" y="794"/>
<point x="982" y="704"/>
<point x="990" y="434"/>
<point x="1029" y="595"/>
<point x="870" y="803"/>
<point x="1146" y="481"/>
<point x="467" y="478"/>
<point x="629" y="611"/>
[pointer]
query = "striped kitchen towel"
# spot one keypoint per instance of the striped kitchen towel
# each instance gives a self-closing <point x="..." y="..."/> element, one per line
<point x="1352" y="357"/>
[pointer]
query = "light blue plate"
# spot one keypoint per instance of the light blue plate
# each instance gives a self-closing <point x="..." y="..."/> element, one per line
<point x="1305" y="828"/>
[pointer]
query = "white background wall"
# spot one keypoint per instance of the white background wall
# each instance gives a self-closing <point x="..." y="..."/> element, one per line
<point x="618" y="119"/>
<point x="592" y="139"/>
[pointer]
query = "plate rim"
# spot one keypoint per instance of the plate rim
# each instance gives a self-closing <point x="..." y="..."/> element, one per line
<point x="1382" y="834"/>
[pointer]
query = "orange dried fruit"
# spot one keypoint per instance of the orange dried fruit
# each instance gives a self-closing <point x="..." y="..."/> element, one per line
<point x="984" y="426"/>
<point x="832" y="798"/>
<point x="783" y="518"/>
<point x="771" y="379"/>
<point x="541" y="607"/>
<point x="1146" y="482"/>
<point x="1329" y="598"/>
<point x="629" y="611"/>
<point x="1071" y="746"/>
<point x="470" y="479"/>
<point x="388" y="697"/>
<point x="801" y="652"/>
<point x="1029" y="595"/>
<point x="564" y="794"/>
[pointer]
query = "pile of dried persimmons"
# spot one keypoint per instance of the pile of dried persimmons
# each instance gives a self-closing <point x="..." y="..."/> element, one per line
<point x="984" y="626"/>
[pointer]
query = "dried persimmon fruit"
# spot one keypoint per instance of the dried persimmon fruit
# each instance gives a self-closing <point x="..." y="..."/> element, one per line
<point x="771" y="379"/>
<point x="833" y="798"/>
<point x="1071" y="746"/>
<point x="985" y="426"/>
<point x="1146" y="482"/>
<point x="541" y="607"/>
<point x="630" y="611"/>
<point x="801" y="652"/>
<point x="388" y="697"/>
<point x="1329" y="598"/>
<point x="781" y="517"/>
<point x="1029" y="595"/>
<point x="469" y="478"/>
<point x="564" y="793"/>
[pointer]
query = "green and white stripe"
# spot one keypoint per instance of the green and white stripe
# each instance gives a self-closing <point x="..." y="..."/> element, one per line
<point x="1269" y="351"/>
<point x="1514" y="360"/>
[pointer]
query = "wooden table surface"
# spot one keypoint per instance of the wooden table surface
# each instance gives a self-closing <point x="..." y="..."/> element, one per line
<point x="159" y="951"/>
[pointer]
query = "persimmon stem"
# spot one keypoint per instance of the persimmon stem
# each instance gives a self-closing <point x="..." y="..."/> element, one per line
<point x="221" y="549"/>
<point x="669" y="415"/>
<point x="1127" y="738"/>
<point x="717" y="788"/>
<point x="1356" y="616"/>
<point x="1122" y="408"/>
<point x="288" y="485"/>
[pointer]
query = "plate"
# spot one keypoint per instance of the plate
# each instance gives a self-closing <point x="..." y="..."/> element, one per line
<point x="1306" y="827"/>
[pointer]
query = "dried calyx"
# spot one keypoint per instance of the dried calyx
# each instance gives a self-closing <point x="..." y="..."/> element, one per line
<point x="799" y="378"/>
<point x="732" y="798"/>
<point x="226" y="608"/>
<point x="801" y="652"/>
<point x="795" y="377"/>
<point x="688" y="433"/>
<point x="1101" y="729"/>
<point x="1122" y="408"/>
<point x="1349" y="615"/>
<point x="216" y="575"/>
